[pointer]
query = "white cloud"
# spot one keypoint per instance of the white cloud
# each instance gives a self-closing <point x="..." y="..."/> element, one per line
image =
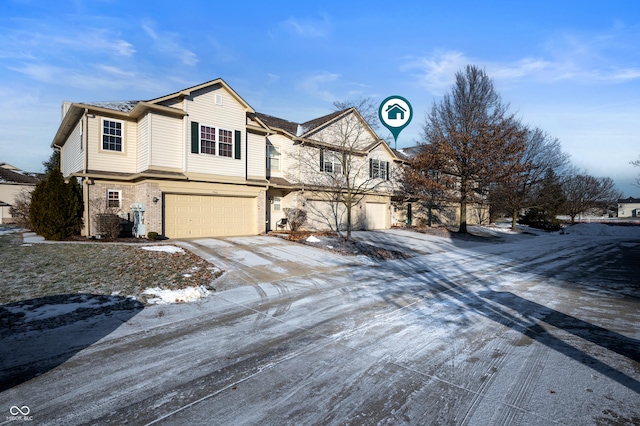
<point x="167" y="43"/>
<point x="436" y="73"/>
<point x="308" y="28"/>
<point x="318" y="84"/>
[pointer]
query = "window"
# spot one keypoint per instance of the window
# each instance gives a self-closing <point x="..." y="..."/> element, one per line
<point x="114" y="198"/>
<point x="332" y="162"/>
<point x="211" y="136"/>
<point x="208" y="140"/>
<point x="378" y="169"/>
<point x="273" y="157"/>
<point x="277" y="203"/>
<point x="225" y="143"/>
<point x="111" y="135"/>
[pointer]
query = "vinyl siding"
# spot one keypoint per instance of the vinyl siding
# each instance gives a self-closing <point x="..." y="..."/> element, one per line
<point x="229" y="116"/>
<point x="112" y="161"/>
<point x="166" y="141"/>
<point x="142" y="160"/>
<point x="72" y="154"/>
<point x="256" y="160"/>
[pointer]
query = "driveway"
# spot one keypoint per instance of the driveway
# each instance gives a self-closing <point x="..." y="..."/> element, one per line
<point x="532" y="331"/>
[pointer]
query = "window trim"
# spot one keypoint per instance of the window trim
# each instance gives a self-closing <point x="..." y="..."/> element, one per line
<point x="382" y="169"/>
<point x="331" y="157"/>
<point x="277" y="148"/>
<point x="102" y="135"/>
<point x="229" y="146"/>
<point x="114" y="191"/>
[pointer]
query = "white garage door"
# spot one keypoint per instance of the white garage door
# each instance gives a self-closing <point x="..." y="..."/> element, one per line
<point x="376" y="215"/>
<point x="189" y="216"/>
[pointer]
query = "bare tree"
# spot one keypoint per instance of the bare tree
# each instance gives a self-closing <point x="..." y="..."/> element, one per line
<point x="637" y="164"/>
<point x="473" y="136"/>
<point x="584" y="192"/>
<point x="332" y="165"/>
<point x="422" y="180"/>
<point x="365" y="106"/>
<point x="516" y="191"/>
<point x="20" y="209"/>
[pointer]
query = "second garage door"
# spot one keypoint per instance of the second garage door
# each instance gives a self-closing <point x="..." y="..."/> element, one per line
<point x="376" y="217"/>
<point x="190" y="216"/>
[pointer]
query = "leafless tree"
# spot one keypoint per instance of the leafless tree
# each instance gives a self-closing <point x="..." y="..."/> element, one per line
<point x="20" y="209"/>
<point x="584" y="192"/>
<point x="637" y="164"/>
<point x="474" y="137"/>
<point x="332" y="166"/>
<point x="516" y="190"/>
<point x="365" y="106"/>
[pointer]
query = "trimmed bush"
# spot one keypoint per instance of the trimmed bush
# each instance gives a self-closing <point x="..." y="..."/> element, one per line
<point x="152" y="236"/>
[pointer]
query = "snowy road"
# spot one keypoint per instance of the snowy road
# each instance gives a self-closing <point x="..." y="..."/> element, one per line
<point x="541" y="330"/>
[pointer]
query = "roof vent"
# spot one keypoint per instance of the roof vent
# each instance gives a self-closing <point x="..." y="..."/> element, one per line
<point x="218" y="99"/>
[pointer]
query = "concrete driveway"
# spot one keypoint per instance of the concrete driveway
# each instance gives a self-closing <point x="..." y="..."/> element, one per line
<point x="536" y="331"/>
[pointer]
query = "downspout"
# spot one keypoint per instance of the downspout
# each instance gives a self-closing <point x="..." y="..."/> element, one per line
<point x="85" y="136"/>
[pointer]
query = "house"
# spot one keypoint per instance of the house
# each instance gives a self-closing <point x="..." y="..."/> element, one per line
<point x="444" y="209"/>
<point x="13" y="181"/>
<point x="202" y="162"/>
<point x="629" y="207"/>
<point x="395" y="110"/>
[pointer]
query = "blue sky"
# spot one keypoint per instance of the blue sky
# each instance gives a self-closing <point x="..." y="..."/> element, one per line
<point x="571" y="68"/>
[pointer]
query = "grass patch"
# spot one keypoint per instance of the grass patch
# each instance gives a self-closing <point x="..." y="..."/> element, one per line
<point x="39" y="270"/>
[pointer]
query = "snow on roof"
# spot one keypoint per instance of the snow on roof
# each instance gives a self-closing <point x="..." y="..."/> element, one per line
<point x="124" y="106"/>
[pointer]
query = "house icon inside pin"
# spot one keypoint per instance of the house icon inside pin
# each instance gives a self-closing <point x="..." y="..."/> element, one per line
<point x="395" y="110"/>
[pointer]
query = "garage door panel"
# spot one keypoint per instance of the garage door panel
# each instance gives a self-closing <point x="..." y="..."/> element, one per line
<point x="376" y="214"/>
<point x="189" y="216"/>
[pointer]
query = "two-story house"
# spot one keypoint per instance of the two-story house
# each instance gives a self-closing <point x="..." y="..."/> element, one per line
<point x="202" y="162"/>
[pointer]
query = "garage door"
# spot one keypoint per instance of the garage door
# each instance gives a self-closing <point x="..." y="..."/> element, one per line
<point x="376" y="215"/>
<point x="189" y="216"/>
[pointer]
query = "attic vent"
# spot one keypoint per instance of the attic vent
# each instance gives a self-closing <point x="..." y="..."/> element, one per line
<point x="218" y="99"/>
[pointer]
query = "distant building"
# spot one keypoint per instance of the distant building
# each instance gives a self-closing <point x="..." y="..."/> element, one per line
<point x="12" y="182"/>
<point x="629" y="207"/>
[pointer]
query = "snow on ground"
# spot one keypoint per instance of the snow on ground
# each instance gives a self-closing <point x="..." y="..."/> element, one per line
<point x="189" y="294"/>
<point x="163" y="248"/>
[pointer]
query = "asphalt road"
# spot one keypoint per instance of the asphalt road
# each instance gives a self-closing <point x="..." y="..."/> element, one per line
<point x="536" y="331"/>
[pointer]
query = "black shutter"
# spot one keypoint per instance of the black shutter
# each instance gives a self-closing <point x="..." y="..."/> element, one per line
<point x="238" y="144"/>
<point x="195" y="137"/>
<point x="322" y="159"/>
<point x="370" y="168"/>
<point x="387" y="170"/>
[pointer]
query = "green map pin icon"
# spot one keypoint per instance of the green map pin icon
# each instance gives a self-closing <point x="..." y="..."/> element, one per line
<point x="395" y="113"/>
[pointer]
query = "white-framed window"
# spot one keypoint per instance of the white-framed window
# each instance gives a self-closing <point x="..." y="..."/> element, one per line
<point x="225" y="143"/>
<point x="112" y="135"/>
<point x="273" y="157"/>
<point x="207" y="140"/>
<point x="277" y="203"/>
<point x="378" y="169"/>
<point x="114" y="198"/>
<point x="216" y="141"/>
<point x="331" y="162"/>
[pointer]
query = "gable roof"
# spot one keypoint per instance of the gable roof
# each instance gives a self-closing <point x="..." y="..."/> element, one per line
<point x="278" y="123"/>
<point x="189" y="91"/>
<point x="629" y="200"/>
<point x="17" y="176"/>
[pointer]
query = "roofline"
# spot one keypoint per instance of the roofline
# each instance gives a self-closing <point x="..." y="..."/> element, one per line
<point x="189" y="90"/>
<point x="77" y="109"/>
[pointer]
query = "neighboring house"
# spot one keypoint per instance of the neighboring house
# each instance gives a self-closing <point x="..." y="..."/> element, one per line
<point x="12" y="182"/>
<point x="202" y="162"/>
<point x="411" y="211"/>
<point x="629" y="207"/>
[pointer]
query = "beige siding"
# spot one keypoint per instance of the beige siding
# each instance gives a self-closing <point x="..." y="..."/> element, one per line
<point x="256" y="156"/>
<point x="71" y="155"/>
<point x="166" y="141"/>
<point x="142" y="159"/>
<point x="231" y="115"/>
<point x="112" y="161"/>
<point x="348" y="131"/>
